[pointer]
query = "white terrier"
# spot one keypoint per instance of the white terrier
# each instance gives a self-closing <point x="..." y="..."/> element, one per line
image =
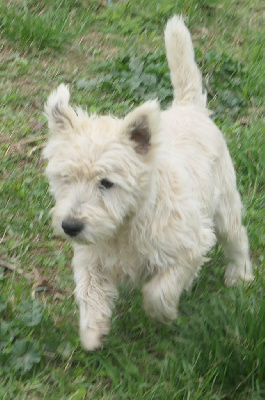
<point x="144" y="198"/>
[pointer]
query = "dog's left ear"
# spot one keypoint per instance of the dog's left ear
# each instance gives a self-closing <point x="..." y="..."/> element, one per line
<point x="141" y="125"/>
<point x="61" y="117"/>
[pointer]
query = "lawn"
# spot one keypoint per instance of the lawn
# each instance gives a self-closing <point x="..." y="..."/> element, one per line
<point x="113" y="58"/>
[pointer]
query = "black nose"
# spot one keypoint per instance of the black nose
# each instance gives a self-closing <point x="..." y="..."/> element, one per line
<point x="72" y="227"/>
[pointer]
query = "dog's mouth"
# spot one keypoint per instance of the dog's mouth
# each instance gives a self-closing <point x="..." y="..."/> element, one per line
<point x="80" y="238"/>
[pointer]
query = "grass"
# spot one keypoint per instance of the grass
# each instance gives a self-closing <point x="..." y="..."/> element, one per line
<point x="113" y="58"/>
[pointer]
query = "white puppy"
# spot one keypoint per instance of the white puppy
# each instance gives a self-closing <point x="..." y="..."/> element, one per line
<point x="144" y="198"/>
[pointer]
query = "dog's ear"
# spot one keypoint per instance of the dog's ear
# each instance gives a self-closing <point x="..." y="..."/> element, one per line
<point x="61" y="117"/>
<point x="141" y="125"/>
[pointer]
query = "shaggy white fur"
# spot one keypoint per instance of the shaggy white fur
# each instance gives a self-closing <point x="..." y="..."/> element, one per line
<point x="144" y="198"/>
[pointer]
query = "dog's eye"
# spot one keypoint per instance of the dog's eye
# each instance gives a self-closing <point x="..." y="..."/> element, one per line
<point x="66" y="179"/>
<point x="106" y="183"/>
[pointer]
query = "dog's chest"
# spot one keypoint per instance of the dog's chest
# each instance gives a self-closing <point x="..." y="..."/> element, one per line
<point x="124" y="262"/>
<point x="133" y="259"/>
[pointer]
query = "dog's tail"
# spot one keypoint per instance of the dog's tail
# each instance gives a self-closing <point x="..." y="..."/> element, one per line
<point x="185" y="75"/>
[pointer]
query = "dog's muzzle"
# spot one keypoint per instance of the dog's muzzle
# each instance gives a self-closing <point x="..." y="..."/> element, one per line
<point x="72" y="227"/>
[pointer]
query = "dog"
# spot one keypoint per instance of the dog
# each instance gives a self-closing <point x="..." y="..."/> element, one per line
<point x="144" y="198"/>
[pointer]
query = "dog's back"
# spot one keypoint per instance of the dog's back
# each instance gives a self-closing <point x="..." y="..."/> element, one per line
<point x="200" y="142"/>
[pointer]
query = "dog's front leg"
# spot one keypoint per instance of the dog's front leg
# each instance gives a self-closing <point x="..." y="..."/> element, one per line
<point x="161" y="294"/>
<point x="95" y="294"/>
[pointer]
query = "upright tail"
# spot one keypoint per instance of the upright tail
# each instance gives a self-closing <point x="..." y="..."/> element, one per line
<point x="185" y="75"/>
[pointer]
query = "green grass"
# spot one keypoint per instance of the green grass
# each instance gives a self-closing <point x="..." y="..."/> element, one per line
<point x="114" y="58"/>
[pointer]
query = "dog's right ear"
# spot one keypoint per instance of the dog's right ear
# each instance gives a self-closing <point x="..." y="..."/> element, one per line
<point x="61" y="117"/>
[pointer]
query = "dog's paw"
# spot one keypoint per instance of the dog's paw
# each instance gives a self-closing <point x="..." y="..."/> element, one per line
<point x="235" y="276"/>
<point x="92" y="338"/>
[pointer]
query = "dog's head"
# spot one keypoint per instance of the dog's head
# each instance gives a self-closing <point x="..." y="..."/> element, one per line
<point x="99" y="167"/>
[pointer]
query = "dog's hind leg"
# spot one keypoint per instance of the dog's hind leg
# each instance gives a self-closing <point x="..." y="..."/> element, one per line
<point x="230" y="232"/>
<point x="232" y="236"/>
